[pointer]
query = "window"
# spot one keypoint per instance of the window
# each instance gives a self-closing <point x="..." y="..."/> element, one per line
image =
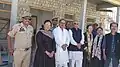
<point x="5" y="7"/>
<point x="67" y="16"/>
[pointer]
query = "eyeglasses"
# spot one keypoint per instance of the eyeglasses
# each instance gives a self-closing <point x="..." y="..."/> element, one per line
<point x="27" y="18"/>
<point x="76" y="24"/>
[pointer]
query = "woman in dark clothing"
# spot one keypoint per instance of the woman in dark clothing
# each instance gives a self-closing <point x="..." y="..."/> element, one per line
<point x="88" y="46"/>
<point x="42" y="27"/>
<point x="97" y="53"/>
<point x="46" y="47"/>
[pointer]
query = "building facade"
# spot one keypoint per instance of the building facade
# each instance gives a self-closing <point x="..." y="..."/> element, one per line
<point x="48" y="9"/>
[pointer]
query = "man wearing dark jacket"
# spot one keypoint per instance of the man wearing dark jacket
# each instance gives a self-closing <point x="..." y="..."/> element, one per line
<point x="111" y="47"/>
<point x="75" y="48"/>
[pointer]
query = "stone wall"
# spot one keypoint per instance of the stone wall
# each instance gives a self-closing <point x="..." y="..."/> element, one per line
<point x="59" y="8"/>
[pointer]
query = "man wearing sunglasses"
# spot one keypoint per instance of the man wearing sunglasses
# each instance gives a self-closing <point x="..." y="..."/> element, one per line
<point x="22" y="34"/>
<point x="75" y="48"/>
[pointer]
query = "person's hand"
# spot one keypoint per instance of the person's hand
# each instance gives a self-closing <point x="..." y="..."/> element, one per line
<point x="85" y="48"/>
<point x="64" y="46"/>
<point x="11" y="52"/>
<point x="104" y="56"/>
<point x="79" y="46"/>
<point x="52" y="54"/>
<point x="93" y="55"/>
<point x="48" y="53"/>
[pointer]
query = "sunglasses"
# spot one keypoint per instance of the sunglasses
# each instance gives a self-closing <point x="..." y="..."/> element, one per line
<point x="27" y="18"/>
<point x="76" y="23"/>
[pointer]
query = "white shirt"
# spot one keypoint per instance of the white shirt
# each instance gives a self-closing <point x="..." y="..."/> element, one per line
<point x="72" y="41"/>
<point x="61" y="37"/>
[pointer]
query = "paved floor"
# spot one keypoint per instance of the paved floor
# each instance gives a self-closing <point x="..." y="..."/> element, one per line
<point x="6" y="60"/>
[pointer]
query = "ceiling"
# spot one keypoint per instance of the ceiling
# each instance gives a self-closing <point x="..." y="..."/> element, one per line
<point x="115" y="2"/>
<point x="94" y="1"/>
<point x="102" y="4"/>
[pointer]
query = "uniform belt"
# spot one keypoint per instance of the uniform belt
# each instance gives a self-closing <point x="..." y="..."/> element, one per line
<point x="23" y="49"/>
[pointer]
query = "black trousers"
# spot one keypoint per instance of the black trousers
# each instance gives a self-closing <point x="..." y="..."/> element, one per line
<point x="86" y="62"/>
<point x="96" y="62"/>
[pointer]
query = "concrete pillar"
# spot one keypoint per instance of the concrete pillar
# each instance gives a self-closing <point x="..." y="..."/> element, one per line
<point x="83" y="15"/>
<point x="118" y="15"/>
<point x="13" y="19"/>
<point x="118" y="18"/>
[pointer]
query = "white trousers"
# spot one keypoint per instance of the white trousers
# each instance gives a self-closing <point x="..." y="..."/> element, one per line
<point x="61" y="65"/>
<point x="76" y="58"/>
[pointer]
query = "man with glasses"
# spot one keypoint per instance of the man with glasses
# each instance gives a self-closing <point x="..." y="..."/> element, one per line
<point x="75" y="48"/>
<point x="22" y="34"/>
<point x="61" y="36"/>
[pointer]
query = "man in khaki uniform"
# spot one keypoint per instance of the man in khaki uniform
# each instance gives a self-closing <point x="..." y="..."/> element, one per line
<point x="22" y="34"/>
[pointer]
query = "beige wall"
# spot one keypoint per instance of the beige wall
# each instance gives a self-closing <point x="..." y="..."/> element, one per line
<point x="59" y="8"/>
<point x="41" y="16"/>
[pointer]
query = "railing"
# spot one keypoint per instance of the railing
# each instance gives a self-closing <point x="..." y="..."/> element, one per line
<point x="4" y="28"/>
<point x="5" y="6"/>
<point x="4" y="22"/>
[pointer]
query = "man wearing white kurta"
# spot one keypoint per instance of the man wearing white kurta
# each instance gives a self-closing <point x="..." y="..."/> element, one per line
<point x="62" y="42"/>
<point x="75" y="48"/>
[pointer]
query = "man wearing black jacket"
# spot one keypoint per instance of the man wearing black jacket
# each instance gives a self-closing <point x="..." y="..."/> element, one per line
<point x="111" y="47"/>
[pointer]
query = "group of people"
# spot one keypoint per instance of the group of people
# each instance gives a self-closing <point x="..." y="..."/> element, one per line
<point x="61" y="47"/>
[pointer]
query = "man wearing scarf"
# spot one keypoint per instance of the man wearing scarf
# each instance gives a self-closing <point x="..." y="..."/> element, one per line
<point x="61" y="36"/>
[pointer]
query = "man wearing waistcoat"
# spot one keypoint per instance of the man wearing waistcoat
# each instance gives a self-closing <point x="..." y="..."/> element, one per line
<point x="75" y="47"/>
<point x="111" y="47"/>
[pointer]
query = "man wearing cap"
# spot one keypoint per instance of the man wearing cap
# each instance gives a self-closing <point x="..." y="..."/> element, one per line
<point x="62" y="40"/>
<point x="22" y="34"/>
<point x="75" y="48"/>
